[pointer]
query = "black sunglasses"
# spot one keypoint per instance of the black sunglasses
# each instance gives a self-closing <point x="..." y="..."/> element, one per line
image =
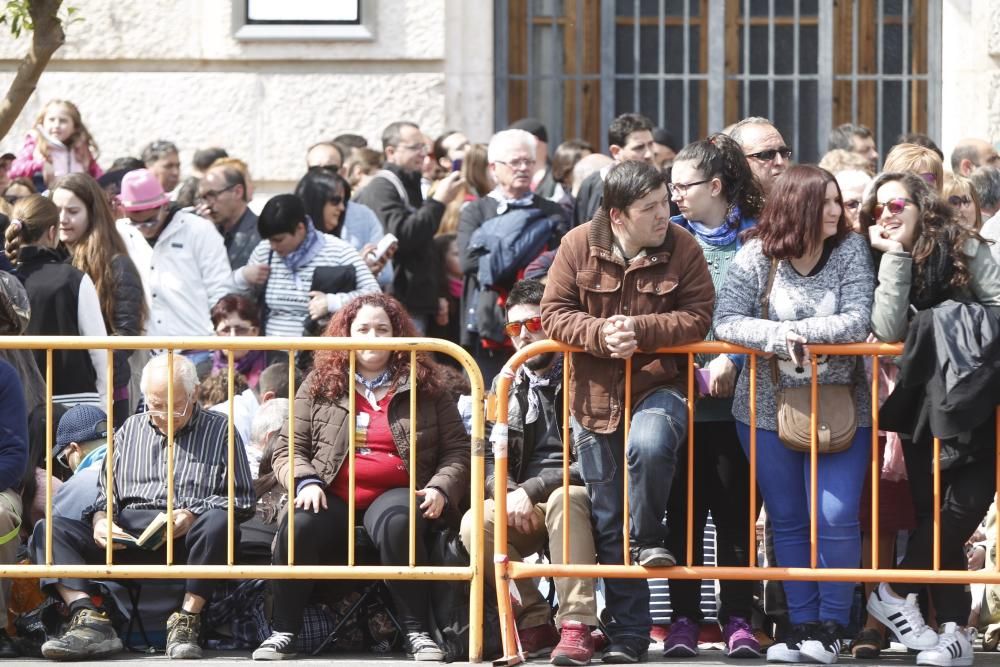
<point x="770" y="153"/>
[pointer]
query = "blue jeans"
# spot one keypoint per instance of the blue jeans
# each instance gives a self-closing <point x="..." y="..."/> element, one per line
<point x="783" y="477"/>
<point x="659" y="426"/>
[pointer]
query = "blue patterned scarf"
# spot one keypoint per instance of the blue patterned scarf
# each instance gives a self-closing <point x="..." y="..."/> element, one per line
<point x="723" y="235"/>
<point x="307" y="250"/>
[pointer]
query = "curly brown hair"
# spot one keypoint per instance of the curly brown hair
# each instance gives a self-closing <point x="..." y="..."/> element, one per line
<point x="938" y="225"/>
<point x="330" y="373"/>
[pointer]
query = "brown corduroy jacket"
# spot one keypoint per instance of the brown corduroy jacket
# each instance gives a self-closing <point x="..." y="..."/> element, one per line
<point x="668" y="293"/>
<point x="321" y="442"/>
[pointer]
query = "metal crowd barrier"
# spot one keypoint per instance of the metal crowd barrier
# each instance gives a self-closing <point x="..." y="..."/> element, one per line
<point x="507" y="570"/>
<point x="169" y="570"/>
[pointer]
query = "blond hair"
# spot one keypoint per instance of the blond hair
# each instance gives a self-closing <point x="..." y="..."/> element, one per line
<point x="956" y="184"/>
<point x="838" y="160"/>
<point x="81" y="135"/>
<point x="915" y="160"/>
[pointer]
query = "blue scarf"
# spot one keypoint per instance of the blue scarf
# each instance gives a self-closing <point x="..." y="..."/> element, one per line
<point x="371" y="385"/>
<point x="723" y="235"/>
<point x="307" y="250"/>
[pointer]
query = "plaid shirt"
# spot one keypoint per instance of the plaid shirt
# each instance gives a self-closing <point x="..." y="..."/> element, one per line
<point x="200" y="456"/>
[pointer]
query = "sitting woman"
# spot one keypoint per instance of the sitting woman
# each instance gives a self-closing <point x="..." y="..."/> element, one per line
<point x="928" y="257"/>
<point x="382" y="404"/>
<point x="313" y="275"/>
<point x="236" y="315"/>
<point x="815" y="276"/>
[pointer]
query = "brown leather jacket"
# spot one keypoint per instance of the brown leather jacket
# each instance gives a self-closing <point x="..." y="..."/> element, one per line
<point x="668" y="293"/>
<point x="321" y="442"/>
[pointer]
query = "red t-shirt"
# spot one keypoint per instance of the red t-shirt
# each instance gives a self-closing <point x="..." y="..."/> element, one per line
<point x="377" y="465"/>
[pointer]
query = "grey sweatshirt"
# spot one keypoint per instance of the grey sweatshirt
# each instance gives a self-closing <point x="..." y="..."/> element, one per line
<point x="833" y="306"/>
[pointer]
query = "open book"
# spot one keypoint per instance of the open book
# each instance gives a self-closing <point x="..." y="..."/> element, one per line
<point x="151" y="539"/>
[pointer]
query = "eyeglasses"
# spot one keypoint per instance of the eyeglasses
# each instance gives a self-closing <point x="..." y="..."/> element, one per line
<point x="768" y="155"/>
<point x="177" y="415"/>
<point x="681" y="189"/>
<point x="419" y="148"/>
<point x="895" y="206"/>
<point x="61" y="458"/>
<point x="212" y="195"/>
<point x="150" y="222"/>
<point x="233" y="330"/>
<point x="523" y="163"/>
<point x="956" y="201"/>
<point x="852" y="204"/>
<point x="532" y="324"/>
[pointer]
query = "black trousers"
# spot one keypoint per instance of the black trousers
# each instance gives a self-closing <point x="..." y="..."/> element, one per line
<point x="73" y="544"/>
<point x="321" y="539"/>
<point x="722" y="485"/>
<point x="966" y="494"/>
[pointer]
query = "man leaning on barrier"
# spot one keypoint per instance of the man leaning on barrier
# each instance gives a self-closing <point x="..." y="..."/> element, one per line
<point x="536" y="504"/>
<point x="140" y="494"/>
<point x="623" y="285"/>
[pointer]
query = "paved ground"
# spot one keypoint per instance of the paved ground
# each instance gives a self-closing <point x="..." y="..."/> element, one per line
<point x="892" y="657"/>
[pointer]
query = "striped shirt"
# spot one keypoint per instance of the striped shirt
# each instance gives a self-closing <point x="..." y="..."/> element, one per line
<point x="287" y="293"/>
<point x="200" y="455"/>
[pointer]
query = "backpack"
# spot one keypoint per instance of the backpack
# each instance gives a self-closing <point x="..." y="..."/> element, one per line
<point x="449" y="603"/>
<point x="504" y="245"/>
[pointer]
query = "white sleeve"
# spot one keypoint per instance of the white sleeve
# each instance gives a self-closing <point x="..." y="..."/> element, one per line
<point x="213" y="265"/>
<point x="91" y="323"/>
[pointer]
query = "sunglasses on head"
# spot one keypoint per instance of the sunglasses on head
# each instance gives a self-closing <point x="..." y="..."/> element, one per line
<point x="956" y="200"/>
<point x="895" y="206"/>
<point x="533" y="324"/>
<point x="770" y="153"/>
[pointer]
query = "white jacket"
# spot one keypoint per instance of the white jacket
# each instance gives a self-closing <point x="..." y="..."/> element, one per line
<point x="183" y="275"/>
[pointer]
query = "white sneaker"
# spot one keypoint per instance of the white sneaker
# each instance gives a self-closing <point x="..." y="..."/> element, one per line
<point x="824" y="645"/>
<point x="954" y="648"/>
<point x="903" y="617"/>
<point x="788" y="650"/>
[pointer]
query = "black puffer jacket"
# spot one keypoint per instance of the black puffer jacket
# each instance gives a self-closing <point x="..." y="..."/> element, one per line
<point x="130" y="305"/>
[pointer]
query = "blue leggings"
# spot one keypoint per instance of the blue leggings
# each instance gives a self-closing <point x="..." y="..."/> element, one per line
<point x="783" y="477"/>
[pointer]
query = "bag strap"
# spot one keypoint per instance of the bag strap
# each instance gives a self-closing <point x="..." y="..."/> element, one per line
<point x="400" y="188"/>
<point x="765" y="304"/>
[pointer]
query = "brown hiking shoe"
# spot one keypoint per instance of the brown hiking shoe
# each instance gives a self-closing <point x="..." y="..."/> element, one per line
<point x="90" y="635"/>
<point x="183" y="630"/>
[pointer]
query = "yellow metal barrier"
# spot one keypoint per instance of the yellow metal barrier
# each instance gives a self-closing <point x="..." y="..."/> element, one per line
<point x="507" y="570"/>
<point x="110" y="570"/>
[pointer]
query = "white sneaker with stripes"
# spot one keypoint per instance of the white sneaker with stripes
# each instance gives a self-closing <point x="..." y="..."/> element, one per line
<point x="903" y="617"/>
<point x="954" y="648"/>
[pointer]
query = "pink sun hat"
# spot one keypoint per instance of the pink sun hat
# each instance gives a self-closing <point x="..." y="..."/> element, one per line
<point x="141" y="191"/>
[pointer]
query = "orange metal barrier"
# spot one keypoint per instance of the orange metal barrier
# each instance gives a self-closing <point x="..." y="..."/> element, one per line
<point x="169" y="570"/>
<point x="507" y="570"/>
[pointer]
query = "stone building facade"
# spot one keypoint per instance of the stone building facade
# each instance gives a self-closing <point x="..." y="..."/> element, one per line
<point x="195" y="73"/>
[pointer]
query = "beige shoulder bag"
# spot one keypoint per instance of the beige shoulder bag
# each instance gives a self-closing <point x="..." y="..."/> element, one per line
<point x="837" y="415"/>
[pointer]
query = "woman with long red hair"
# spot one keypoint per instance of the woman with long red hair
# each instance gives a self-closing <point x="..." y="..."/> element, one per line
<point x="322" y="430"/>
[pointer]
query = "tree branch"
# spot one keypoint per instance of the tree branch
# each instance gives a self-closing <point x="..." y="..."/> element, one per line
<point x="46" y="38"/>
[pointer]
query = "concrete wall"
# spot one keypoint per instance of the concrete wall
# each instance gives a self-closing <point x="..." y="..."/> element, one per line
<point x="970" y="72"/>
<point x="141" y="71"/>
